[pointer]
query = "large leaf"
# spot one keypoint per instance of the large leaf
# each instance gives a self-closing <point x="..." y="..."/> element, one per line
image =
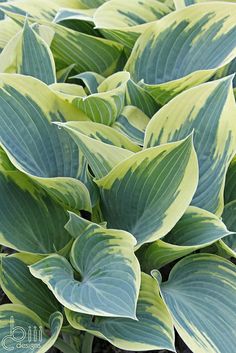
<point x="21" y="330"/>
<point x="153" y="330"/>
<point x="16" y="277"/>
<point x="147" y="193"/>
<point x="109" y="274"/>
<point x="200" y="294"/>
<point x="125" y="21"/>
<point x="42" y="151"/>
<point x="31" y="222"/>
<point x="210" y="110"/>
<point x="28" y="54"/>
<point x="184" y="48"/>
<point x="196" y="229"/>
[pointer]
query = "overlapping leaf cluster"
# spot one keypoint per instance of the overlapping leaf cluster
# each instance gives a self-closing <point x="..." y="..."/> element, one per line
<point x="117" y="165"/>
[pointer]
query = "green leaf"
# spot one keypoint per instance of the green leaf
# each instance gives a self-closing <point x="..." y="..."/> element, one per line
<point x="124" y="21"/>
<point x="184" y="49"/>
<point x="109" y="274"/>
<point x="132" y="122"/>
<point x="23" y="331"/>
<point x="31" y="222"/>
<point x="28" y="54"/>
<point x="16" y="277"/>
<point x="200" y="295"/>
<point x="152" y="330"/>
<point x="140" y="194"/>
<point x="209" y="110"/>
<point x="36" y="147"/>
<point x="196" y="229"/>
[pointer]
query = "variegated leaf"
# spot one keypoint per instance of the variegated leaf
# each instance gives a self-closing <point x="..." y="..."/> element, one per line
<point x="109" y="274"/>
<point x="132" y="122"/>
<point x="124" y="21"/>
<point x="15" y="277"/>
<point x="210" y="111"/>
<point x="101" y="156"/>
<point x="183" y="49"/>
<point x="28" y="329"/>
<point x="228" y="244"/>
<point x="200" y="295"/>
<point x="140" y="194"/>
<point x="26" y="114"/>
<point x="152" y="330"/>
<point x="28" y="54"/>
<point x="104" y="106"/>
<point x="31" y="222"/>
<point x="196" y="229"/>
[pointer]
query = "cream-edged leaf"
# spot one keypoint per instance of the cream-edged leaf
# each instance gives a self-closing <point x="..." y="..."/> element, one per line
<point x="195" y="230"/>
<point x="36" y="147"/>
<point x="28" y="54"/>
<point x="147" y="193"/>
<point x="153" y="329"/>
<point x="183" y="49"/>
<point x="210" y="110"/>
<point x="109" y="274"/>
<point x="16" y="277"/>
<point x="200" y="295"/>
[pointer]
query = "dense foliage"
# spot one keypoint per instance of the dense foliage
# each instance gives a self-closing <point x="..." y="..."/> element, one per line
<point x="118" y="174"/>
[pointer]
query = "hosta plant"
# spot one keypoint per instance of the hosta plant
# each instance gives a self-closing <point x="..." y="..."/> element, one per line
<point x="117" y="175"/>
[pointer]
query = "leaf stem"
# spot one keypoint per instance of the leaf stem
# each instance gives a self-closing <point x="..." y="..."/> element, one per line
<point x="87" y="343"/>
<point x="63" y="346"/>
